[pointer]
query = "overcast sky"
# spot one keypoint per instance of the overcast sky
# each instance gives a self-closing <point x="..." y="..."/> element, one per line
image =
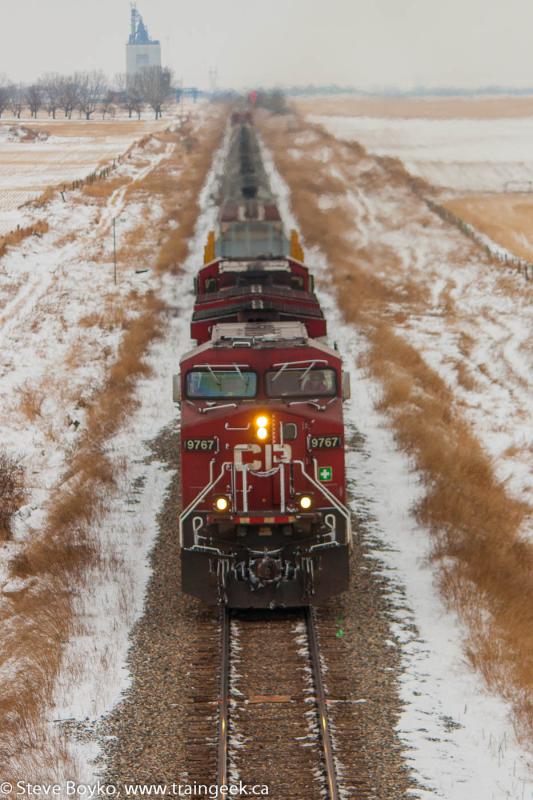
<point x="370" y="44"/>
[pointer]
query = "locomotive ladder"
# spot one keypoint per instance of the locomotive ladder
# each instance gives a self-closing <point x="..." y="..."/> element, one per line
<point x="319" y="696"/>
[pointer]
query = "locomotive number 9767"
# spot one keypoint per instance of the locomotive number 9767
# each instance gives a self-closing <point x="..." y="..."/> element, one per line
<point x="201" y="445"/>
<point x="324" y="442"/>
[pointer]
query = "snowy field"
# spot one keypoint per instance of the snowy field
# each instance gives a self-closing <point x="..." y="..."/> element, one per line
<point x="457" y="738"/>
<point x="63" y="151"/>
<point x="95" y="673"/>
<point x="51" y="357"/>
<point x="59" y="341"/>
<point x="482" y="350"/>
<point x="458" y="154"/>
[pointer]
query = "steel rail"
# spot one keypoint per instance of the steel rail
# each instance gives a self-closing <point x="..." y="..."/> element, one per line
<point x="223" y="712"/>
<point x="320" y="697"/>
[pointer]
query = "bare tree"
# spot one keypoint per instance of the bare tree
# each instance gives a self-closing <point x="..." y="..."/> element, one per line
<point x="4" y="94"/>
<point x="134" y="100"/>
<point x="68" y="94"/>
<point x="109" y="102"/>
<point x="34" y="99"/>
<point x="156" y="85"/>
<point x="92" y="88"/>
<point x="119" y="82"/>
<point x="16" y="99"/>
<point x="129" y="93"/>
<point x="51" y="87"/>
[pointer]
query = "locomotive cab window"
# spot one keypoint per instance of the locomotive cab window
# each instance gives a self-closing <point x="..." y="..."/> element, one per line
<point x="212" y="384"/>
<point x="301" y="383"/>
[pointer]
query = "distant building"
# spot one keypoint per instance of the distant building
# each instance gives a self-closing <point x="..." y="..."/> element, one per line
<point x="141" y="51"/>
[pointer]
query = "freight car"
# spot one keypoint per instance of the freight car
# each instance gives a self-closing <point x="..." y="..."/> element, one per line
<point x="264" y="520"/>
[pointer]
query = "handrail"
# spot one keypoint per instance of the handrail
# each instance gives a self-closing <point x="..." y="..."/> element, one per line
<point x="329" y="495"/>
<point x="198" y="499"/>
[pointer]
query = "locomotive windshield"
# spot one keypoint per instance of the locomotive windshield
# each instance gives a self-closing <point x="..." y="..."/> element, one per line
<point x="301" y="383"/>
<point x="212" y="383"/>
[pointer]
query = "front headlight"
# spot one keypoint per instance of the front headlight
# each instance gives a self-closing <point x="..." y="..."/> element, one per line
<point x="221" y="504"/>
<point x="305" y="502"/>
<point x="261" y="427"/>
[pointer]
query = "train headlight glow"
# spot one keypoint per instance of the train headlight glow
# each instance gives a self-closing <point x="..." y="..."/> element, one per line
<point x="305" y="502"/>
<point x="261" y="427"/>
<point x="221" y="503"/>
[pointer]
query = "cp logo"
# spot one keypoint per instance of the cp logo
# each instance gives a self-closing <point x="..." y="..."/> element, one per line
<point x="274" y="454"/>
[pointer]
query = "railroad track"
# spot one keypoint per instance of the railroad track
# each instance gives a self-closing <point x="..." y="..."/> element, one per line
<point x="273" y="721"/>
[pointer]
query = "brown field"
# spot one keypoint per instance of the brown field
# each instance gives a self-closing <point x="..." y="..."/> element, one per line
<point x="95" y="128"/>
<point x="504" y="216"/>
<point x="74" y="149"/>
<point x="507" y="219"/>
<point x="430" y="108"/>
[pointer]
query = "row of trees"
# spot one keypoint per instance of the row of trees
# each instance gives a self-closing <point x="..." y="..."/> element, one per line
<point x="88" y="92"/>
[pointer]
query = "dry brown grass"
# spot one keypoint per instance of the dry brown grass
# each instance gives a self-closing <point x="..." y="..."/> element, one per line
<point x="12" y="493"/>
<point x="136" y="247"/>
<point x="486" y="569"/>
<point x="181" y="207"/>
<point x="30" y="400"/>
<point x="504" y="218"/>
<point x="176" y="184"/>
<point x="110" y="317"/>
<point x="16" y="237"/>
<point x="426" y="108"/>
<point x="39" y="619"/>
<point x="44" y="198"/>
<point x="102" y="190"/>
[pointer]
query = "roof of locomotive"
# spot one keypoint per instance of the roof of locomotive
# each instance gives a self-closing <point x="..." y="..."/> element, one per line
<point x="260" y="336"/>
<point x="258" y="332"/>
<point x="254" y="265"/>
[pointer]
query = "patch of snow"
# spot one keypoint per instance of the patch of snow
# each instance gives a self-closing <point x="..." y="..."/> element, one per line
<point x="462" y="154"/>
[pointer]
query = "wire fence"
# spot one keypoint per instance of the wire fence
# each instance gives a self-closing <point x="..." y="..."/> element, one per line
<point x="521" y="265"/>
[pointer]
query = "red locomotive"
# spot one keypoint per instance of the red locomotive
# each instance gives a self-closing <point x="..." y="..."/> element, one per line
<point x="264" y="521"/>
<point x="249" y="290"/>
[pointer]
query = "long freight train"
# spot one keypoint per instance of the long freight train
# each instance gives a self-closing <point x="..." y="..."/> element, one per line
<point x="264" y="520"/>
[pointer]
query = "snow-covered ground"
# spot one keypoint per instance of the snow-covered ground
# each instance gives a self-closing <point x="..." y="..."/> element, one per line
<point x="460" y="154"/>
<point x="66" y="151"/>
<point x="60" y="327"/>
<point x="474" y="331"/>
<point x="54" y="352"/>
<point x="94" y="673"/>
<point x="57" y="337"/>
<point x="459" y="739"/>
